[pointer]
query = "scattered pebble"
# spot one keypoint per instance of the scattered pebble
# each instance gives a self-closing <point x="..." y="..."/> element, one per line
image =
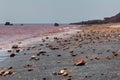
<point x="33" y="57"/>
<point x="12" y="55"/>
<point x="6" y="72"/>
<point x="80" y="63"/>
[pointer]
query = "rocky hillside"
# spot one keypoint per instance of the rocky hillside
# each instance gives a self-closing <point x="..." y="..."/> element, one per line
<point x="113" y="19"/>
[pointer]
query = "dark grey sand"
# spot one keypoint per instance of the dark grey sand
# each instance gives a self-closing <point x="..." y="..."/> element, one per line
<point x="98" y="47"/>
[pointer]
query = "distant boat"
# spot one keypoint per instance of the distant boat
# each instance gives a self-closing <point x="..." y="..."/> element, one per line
<point x="56" y="24"/>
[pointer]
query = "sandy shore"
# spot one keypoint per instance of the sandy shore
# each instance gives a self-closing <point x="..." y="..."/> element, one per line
<point x="93" y="53"/>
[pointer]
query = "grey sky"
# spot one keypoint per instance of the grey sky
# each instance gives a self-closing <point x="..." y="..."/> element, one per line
<point x="50" y="11"/>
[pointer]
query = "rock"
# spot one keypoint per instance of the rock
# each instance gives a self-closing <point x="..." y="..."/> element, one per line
<point x="8" y="23"/>
<point x="33" y="57"/>
<point x="73" y="54"/>
<point x="30" y="69"/>
<point x="18" y="50"/>
<point x="12" y="55"/>
<point x="58" y="55"/>
<point x="54" y="73"/>
<point x="27" y="66"/>
<point x="15" y="46"/>
<point x="80" y="63"/>
<point x="54" y="47"/>
<point x="41" y="52"/>
<point x="9" y="50"/>
<point x="63" y="72"/>
<point x="56" y="24"/>
<point x="6" y="72"/>
<point x="10" y="67"/>
<point x="97" y="58"/>
<point x="44" y="79"/>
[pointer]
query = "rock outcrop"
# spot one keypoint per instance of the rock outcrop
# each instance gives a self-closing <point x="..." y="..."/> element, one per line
<point x="113" y="19"/>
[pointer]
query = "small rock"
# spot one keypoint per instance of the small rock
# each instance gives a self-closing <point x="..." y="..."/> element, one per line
<point x="14" y="46"/>
<point x="97" y="58"/>
<point x="10" y="67"/>
<point x="30" y="69"/>
<point x="58" y="55"/>
<point x="80" y="63"/>
<point x="74" y="54"/>
<point x="12" y="55"/>
<point x="18" y="50"/>
<point x="63" y="72"/>
<point x="56" y="24"/>
<point x="33" y="57"/>
<point x="54" y="73"/>
<point x="27" y="66"/>
<point x="44" y="79"/>
<point x="6" y="72"/>
<point x="9" y="50"/>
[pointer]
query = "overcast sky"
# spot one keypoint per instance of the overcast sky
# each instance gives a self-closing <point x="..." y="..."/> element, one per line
<point x="61" y="11"/>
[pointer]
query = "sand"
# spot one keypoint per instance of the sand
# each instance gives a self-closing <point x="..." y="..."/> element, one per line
<point x="55" y="57"/>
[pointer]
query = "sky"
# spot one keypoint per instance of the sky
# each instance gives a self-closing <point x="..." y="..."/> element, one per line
<point x="61" y="11"/>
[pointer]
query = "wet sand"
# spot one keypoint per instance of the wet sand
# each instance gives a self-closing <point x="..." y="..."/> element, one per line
<point x="93" y="53"/>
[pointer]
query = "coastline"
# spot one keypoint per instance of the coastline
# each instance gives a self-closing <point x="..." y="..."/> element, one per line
<point x="35" y="40"/>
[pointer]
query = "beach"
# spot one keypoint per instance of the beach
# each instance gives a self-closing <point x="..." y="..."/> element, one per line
<point x="65" y="53"/>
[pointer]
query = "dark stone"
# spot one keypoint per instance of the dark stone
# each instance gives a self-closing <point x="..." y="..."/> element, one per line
<point x="8" y="23"/>
<point x="30" y="69"/>
<point x="56" y="24"/>
<point x="12" y="55"/>
<point x="9" y="50"/>
<point x="14" y="46"/>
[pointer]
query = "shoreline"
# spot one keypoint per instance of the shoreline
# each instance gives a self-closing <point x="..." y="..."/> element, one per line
<point x="36" y="40"/>
<point x="89" y="54"/>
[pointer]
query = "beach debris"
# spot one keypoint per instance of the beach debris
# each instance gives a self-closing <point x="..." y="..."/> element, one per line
<point x="15" y="46"/>
<point x="12" y="55"/>
<point x="33" y="57"/>
<point x="6" y="72"/>
<point x="80" y="62"/>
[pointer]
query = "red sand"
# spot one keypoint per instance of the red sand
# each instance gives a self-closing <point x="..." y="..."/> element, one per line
<point x="13" y="34"/>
